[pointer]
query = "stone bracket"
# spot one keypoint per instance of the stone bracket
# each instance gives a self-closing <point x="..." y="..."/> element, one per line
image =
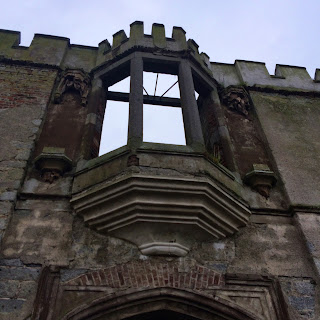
<point x="52" y="163"/>
<point x="261" y="179"/>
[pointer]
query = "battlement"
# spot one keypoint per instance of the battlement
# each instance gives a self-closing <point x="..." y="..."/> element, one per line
<point x="58" y="51"/>
<point x="255" y="74"/>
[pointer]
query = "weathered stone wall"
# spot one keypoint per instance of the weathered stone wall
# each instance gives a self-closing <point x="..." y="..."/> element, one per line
<point x="25" y="93"/>
<point x="51" y="263"/>
<point x="291" y="123"/>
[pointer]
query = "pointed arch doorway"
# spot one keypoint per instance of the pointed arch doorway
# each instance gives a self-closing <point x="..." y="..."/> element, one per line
<point x="159" y="304"/>
<point x="161" y="315"/>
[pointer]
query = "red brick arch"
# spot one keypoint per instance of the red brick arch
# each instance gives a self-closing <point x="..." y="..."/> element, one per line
<point x="144" y="274"/>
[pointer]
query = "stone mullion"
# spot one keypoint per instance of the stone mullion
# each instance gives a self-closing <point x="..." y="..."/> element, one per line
<point x="191" y="118"/>
<point x="135" y="130"/>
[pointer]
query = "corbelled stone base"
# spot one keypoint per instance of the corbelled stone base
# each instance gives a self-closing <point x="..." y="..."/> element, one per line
<point x="161" y="215"/>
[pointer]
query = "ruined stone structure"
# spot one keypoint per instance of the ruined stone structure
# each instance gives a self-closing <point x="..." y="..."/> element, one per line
<point x="224" y="227"/>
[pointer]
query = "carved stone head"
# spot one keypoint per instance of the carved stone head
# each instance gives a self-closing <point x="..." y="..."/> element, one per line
<point x="237" y="100"/>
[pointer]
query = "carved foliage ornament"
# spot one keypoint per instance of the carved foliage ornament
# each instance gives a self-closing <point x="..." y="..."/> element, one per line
<point x="237" y="100"/>
<point x="73" y="80"/>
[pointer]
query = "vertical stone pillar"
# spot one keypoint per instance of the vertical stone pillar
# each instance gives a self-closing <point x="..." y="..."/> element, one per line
<point x="223" y="132"/>
<point x="191" y="118"/>
<point x="135" y="133"/>
<point x="93" y="126"/>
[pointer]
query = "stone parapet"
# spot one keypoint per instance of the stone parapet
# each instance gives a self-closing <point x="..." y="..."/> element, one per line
<point x="256" y="76"/>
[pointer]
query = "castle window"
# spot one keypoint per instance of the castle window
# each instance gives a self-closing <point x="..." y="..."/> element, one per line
<point x="150" y="100"/>
<point x="162" y="123"/>
<point x="115" y="123"/>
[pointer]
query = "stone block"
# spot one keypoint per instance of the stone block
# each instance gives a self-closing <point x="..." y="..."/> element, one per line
<point x="17" y="289"/>
<point x="304" y="287"/>
<point x="16" y="273"/>
<point x="302" y="303"/>
<point x="11" y="305"/>
<point x="3" y="222"/>
<point x="11" y="262"/>
<point x="8" y="196"/>
<point x="67" y="274"/>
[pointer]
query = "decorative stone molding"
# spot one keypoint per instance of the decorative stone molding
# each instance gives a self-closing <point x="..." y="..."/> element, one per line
<point x="237" y="100"/>
<point x="76" y="80"/>
<point x="162" y="215"/>
<point x="52" y="163"/>
<point x="262" y="293"/>
<point x="181" y="304"/>
<point x="48" y="285"/>
<point x="142" y="284"/>
<point x="261" y="179"/>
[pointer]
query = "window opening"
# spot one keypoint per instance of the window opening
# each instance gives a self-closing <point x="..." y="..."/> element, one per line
<point x="163" y="125"/>
<point x="121" y="86"/>
<point x="162" y="114"/>
<point x="115" y="123"/>
<point x="161" y="85"/>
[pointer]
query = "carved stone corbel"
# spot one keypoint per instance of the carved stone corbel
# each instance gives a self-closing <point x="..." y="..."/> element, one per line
<point x="52" y="163"/>
<point x="76" y="80"/>
<point x="237" y="100"/>
<point x="261" y="179"/>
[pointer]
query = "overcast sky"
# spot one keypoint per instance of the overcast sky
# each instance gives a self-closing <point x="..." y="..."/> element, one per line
<point x="282" y="31"/>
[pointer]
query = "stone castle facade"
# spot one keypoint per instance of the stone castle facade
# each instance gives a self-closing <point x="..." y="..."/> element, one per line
<point x="224" y="227"/>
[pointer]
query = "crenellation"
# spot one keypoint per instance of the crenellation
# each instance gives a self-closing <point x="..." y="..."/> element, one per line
<point x="317" y="76"/>
<point x="47" y="49"/>
<point x="54" y="50"/>
<point x="159" y="36"/>
<point x="206" y="59"/>
<point x="118" y="38"/>
<point x="225" y="74"/>
<point x="63" y="54"/>
<point x="250" y="73"/>
<point x="136" y="31"/>
<point x="255" y="74"/>
<point x="80" y="57"/>
<point x="179" y="35"/>
<point x="103" y="49"/>
<point x="9" y="38"/>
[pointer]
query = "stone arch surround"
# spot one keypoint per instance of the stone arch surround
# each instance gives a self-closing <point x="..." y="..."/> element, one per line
<point x="132" y="302"/>
<point x="179" y="286"/>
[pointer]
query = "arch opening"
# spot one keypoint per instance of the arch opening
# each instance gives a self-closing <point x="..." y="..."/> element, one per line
<point x="161" y="315"/>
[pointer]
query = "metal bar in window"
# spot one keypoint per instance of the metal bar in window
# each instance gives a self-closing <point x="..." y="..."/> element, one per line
<point x="170" y="88"/>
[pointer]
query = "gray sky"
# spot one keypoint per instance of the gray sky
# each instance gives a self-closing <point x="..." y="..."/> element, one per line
<point x="283" y="31"/>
